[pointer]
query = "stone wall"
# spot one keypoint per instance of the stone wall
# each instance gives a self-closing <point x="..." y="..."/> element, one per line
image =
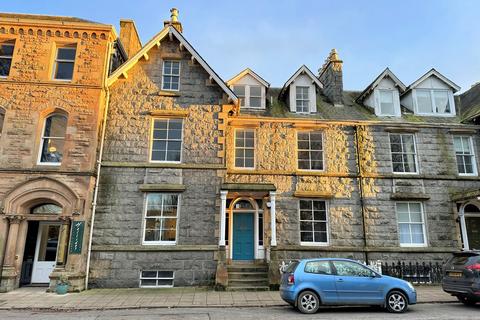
<point x="118" y="253"/>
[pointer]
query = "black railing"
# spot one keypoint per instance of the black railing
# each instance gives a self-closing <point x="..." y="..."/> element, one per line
<point x="421" y="273"/>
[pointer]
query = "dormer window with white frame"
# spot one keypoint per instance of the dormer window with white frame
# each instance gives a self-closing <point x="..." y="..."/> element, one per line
<point x="383" y="95"/>
<point x="431" y="95"/>
<point x="302" y="88"/>
<point x="250" y="89"/>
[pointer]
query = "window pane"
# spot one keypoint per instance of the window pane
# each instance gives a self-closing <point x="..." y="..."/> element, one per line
<point x="441" y="101"/>
<point x="239" y="91"/>
<point x="386" y="102"/>
<point x="306" y="215"/>
<point x="55" y="126"/>
<point x="6" y="50"/>
<point x="346" y="268"/>
<point x="255" y="102"/>
<point x="5" y="64"/>
<point x="318" y="267"/>
<point x="52" y="150"/>
<point x="66" y="54"/>
<point x="424" y="101"/>
<point x="306" y="236"/>
<point x="149" y="274"/>
<point x="64" y="70"/>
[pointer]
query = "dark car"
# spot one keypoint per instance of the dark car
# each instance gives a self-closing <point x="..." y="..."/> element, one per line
<point x="461" y="277"/>
<point x="309" y="283"/>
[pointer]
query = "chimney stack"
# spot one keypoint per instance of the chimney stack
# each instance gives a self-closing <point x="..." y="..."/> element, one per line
<point x="129" y="37"/>
<point x="331" y="76"/>
<point x="173" y="20"/>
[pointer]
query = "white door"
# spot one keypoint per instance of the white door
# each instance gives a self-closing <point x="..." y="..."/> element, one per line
<point x="45" y="252"/>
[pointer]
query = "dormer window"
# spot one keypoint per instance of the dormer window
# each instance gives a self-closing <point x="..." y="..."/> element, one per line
<point x="386" y="103"/>
<point x="433" y="102"/>
<point x="250" y="89"/>
<point x="302" y="100"/>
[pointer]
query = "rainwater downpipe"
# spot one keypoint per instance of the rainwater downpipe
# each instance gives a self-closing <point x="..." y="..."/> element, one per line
<point x="99" y="164"/>
<point x="360" y="188"/>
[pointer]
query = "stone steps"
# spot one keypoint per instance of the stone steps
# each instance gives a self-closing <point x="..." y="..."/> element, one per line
<point x="248" y="277"/>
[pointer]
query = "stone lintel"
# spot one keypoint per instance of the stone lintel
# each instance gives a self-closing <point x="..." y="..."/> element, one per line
<point x="402" y="129"/>
<point x="465" y="195"/>
<point x="366" y="249"/>
<point x="462" y="131"/>
<point x="313" y="194"/>
<point x="157" y="248"/>
<point x="248" y="187"/>
<point x="162" y="187"/>
<point x="168" y="113"/>
<point x="409" y="196"/>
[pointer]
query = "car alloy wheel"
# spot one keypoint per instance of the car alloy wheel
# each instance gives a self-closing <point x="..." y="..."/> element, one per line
<point x="466" y="301"/>
<point x="396" y="302"/>
<point x="308" y="302"/>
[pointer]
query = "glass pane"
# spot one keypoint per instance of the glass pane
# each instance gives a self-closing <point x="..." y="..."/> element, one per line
<point x="466" y="145"/>
<point x="159" y="145"/>
<point x="168" y="235"/>
<point x="304" y="164"/>
<point x="5" y="64"/>
<point x="306" y="236"/>
<point x="320" y="236"/>
<point x="255" y="91"/>
<point x="66" y="54"/>
<point x="239" y="91"/>
<point x="319" y="267"/>
<point x="158" y="155"/>
<point x="175" y="124"/>
<point x="320" y="216"/>
<point x="165" y="282"/>
<point x="47" y="209"/>
<point x="306" y="226"/>
<point x="176" y="68"/>
<point x="424" y="101"/>
<point x="249" y="163"/>
<point x="55" y="126"/>
<point x="403" y="217"/>
<point x="174" y="146"/>
<point x="320" y="226"/>
<point x="165" y="274"/>
<point x="255" y="102"/>
<point x="318" y="205"/>
<point x="306" y="215"/>
<point x="415" y="207"/>
<point x="52" y="150"/>
<point x="386" y="102"/>
<point x="306" y="204"/>
<point x="149" y="274"/>
<point x="6" y="50"/>
<point x="458" y="145"/>
<point x="47" y="248"/>
<point x="317" y="165"/>
<point x="152" y="235"/>
<point x="64" y="70"/>
<point x="173" y="156"/>
<point x="148" y="282"/>
<point x="402" y="207"/>
<point x="441" y="101"/>
<point x="346" y="268"/>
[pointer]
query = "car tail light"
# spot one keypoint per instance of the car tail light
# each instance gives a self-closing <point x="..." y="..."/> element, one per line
<point x="291" y="279"/>
<point x="472" y="267"/>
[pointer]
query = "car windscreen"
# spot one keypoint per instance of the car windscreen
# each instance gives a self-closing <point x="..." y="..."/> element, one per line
<point x="292" y="266"/>
<point x="465" y="260"/>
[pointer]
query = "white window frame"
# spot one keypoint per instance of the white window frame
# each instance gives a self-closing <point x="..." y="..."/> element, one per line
<point x="144" y="223"/>
<point x="171" y="74"/>
<point x="240" y="97"/>
<point x="42" y="141"/>
<point x="424" y="223"/>
<point x="417" y="169"/>
<point x="151" y="141"/>
<point x="250" y="96"/>
<point x="156" y="279"/>
<point x="56" y="61"/>
<point x="451" y="102"/>
<point x="379" y="103"/>
<point x="474" y="158"/>
<point x="244" y="148"/>
<point x="303" y="99"/>
<point x="7" y="43"/>
<point x="310" y="150"/>
<point x="327" y="221"/>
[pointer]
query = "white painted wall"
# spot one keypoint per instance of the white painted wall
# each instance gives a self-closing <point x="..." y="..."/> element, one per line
<point x="303" y="81"/>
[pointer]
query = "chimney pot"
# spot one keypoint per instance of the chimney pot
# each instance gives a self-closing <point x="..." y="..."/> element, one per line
<point x="173" y="20"/>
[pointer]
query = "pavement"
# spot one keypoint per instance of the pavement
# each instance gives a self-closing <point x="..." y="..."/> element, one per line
<point x="34" y="298"/>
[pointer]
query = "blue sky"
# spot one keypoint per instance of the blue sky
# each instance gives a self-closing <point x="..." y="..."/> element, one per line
<point x="275" y="37"/>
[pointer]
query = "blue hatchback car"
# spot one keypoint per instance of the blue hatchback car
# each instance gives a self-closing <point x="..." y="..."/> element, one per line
<point x="309" y="283"/>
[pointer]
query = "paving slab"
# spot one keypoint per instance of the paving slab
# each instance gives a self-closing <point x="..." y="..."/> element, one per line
<point x="104" y="299"/>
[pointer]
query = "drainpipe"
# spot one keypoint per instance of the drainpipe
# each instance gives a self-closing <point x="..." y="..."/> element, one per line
<point x="360" y="187"/>
<point x="99" y="163"/>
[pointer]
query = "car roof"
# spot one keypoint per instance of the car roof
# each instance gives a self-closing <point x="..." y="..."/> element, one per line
<point x="325" y="259"/>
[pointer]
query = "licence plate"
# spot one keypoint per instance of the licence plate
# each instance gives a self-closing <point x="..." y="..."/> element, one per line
<point x="455" y="274"/>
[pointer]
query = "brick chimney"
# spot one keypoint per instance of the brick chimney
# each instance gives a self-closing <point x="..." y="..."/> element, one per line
<point x="129" y="37"/>
<point x="331" y="76"/>
<point x="173" y="20"/>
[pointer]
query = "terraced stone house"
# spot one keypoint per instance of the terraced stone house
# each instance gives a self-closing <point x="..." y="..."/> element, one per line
<point x="52" y="102"/>
<point x="206" y="182"/>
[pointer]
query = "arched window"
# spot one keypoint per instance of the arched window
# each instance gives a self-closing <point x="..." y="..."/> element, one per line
<point x="53" y="139"/>
<point x="46" y="208"/>
<point x="471" y="208"/>
<point x="2" y="118"/>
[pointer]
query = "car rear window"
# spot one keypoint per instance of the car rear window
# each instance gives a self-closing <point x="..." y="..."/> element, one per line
<point x="465" y="260"/>
<point x="292" y="266"/>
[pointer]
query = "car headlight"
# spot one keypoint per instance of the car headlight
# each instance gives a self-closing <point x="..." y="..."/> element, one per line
<point x="411" y="286"/>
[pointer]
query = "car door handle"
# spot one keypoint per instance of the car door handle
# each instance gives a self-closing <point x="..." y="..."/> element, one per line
<point x="339" y="280"/>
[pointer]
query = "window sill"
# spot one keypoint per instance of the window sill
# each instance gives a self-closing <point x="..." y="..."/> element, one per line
<point x="314" y="244"/>
<point x="467" y="175"/>
<point x="424" y="245"/>
<point x="161" y="243"/>
<point x="48" y="164"/>
<point x="404" y="174"/>
<point x="169" y="93"/>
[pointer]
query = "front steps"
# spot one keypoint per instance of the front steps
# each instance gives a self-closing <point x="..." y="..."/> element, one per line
<point x="248" y="277"/>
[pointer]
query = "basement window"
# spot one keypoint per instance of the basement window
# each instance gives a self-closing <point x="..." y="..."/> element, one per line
<point x="6" y="54"/>
<point x="64" y="63"/>
<point x="156" y="279"/>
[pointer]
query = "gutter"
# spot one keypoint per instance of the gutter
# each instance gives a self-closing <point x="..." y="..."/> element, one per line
<point x="99" y="162"/>
<point x="360" y="187"/>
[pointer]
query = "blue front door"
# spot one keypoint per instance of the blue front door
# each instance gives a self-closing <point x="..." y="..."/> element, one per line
<point x="243" y="236"/>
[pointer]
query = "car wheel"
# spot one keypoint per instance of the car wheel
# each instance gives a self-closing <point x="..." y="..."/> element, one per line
<point x="396" y="302"/>
<point x="466" y="301"/>
<point x="308" y="302"/>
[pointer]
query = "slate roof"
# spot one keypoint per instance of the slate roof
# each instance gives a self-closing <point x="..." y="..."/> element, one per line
<point x="17" y="17"/>
<point x="469" y="102"/>
<point x="351" y="110"/>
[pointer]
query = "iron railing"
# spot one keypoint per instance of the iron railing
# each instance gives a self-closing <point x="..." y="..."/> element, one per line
<point x="419" y="273"/>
